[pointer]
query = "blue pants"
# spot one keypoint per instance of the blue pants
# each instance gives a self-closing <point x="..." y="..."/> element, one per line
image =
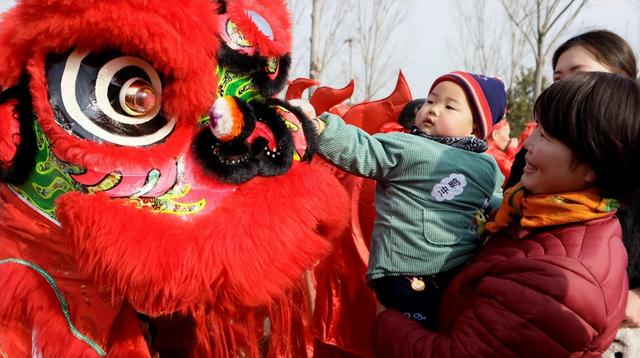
<point x="422" y="306"/>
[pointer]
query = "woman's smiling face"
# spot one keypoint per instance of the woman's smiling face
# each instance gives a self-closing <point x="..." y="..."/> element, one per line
<point x="551" y="167"/>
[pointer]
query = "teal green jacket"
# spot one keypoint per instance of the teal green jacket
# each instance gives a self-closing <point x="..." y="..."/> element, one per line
<point x="429" y="197"/>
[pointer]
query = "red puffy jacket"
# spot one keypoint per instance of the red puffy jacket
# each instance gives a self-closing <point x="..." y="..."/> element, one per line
<point x="504" y="158"/>
<point x="558" y="292"/>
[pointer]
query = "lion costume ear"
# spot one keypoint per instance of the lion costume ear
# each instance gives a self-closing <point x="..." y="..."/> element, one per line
<point x="17" y="138"/>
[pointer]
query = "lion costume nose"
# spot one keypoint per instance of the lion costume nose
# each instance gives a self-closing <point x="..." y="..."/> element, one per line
<point x="227" y="121"/>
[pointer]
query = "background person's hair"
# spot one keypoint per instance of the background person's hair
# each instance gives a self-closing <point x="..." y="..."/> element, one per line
<point x="407" y="117"/>
<point x="596" y="115"/>
<point x="606" y="47"/>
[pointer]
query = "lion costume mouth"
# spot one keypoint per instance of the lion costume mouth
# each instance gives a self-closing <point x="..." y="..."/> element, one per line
<point x="107" y="231"/>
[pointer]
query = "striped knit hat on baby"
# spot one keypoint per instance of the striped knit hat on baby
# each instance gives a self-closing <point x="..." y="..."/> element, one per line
<point x="486" y="96"/>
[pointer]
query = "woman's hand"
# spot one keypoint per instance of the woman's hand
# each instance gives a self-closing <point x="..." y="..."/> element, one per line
<point x="632" y="313"/>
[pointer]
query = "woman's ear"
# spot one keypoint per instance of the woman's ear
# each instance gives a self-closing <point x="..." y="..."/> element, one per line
<point x="590" y="177"/>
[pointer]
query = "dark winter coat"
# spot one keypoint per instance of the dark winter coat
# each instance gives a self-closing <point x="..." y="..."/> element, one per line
<point x="630" y="221"/>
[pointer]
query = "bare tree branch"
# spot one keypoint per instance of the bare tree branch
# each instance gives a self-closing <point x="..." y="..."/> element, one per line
<point x="315" y="66"/>
<point x="520" y="24"/>
<point x="324" y="39"/>
<point x="478" y="51"/>
<point x="565" y="26"/>
<point x="332" y="44"/>
<point x="571" y="17"/>
<point x="376" y="27"/>
<point x="549" y="14"/>
<point x="299" y="10"/>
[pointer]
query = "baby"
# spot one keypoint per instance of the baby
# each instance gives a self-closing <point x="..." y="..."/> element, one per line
<point x="434" y="185"/>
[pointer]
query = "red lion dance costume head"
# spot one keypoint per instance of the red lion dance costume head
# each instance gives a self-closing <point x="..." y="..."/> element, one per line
<point x="154" y="198"/>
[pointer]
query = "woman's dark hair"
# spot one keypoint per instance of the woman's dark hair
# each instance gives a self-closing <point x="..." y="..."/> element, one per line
<point x="597" y="115"/>
<point x="606" y="47"/>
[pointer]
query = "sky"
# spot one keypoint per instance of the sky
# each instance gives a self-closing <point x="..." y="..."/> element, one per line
<point x="434" y="57"/>
<point x="429" y="33"/>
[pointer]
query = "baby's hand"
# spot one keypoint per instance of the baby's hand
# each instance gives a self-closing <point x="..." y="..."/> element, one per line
<point x="305" y="106"/>
<point x="309" y="111"/>
<point x="318" y="124"/>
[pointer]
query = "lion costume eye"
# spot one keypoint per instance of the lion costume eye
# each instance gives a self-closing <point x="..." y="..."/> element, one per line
<point x="107" y="97"/>
<point x="138" y="97"/>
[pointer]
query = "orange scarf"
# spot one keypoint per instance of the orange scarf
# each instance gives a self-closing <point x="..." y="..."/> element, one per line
<point x="519" y="208"/>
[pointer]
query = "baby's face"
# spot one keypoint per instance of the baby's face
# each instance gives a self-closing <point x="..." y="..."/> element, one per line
<point x="446" y="113"/>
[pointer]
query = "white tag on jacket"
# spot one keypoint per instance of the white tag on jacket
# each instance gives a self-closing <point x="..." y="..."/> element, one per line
<point x="449" y="187"/>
